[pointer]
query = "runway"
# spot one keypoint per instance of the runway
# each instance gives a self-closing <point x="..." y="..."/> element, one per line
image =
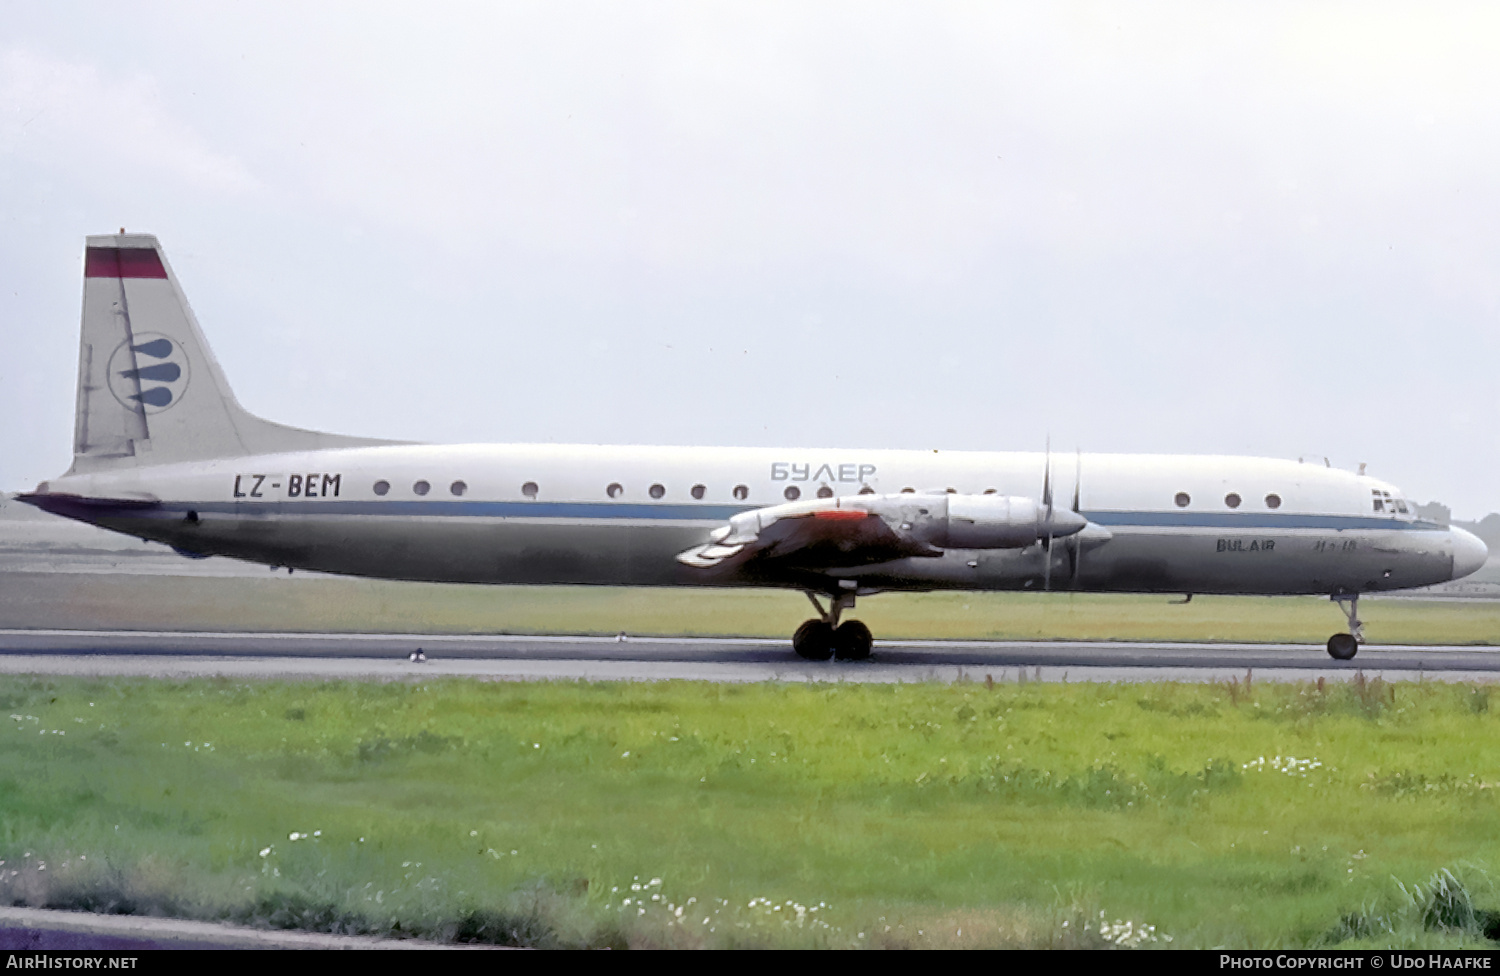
<point x="521" y="657"/>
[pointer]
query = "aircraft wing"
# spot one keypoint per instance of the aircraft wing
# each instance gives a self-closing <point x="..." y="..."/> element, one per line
<point x="858" y="530"/>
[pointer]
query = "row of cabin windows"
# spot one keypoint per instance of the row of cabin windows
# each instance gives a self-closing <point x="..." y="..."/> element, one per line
<point x="458" y="488"/>
<point x="741" y="492"/>
<point x="530" y="490"/>
<point x="1383" y="502"/>
<point x="1231" y="500"/>
<point x="615" y="490"/>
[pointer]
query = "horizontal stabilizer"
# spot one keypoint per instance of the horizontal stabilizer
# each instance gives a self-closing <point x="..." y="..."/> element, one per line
<point x="134" y="499"/>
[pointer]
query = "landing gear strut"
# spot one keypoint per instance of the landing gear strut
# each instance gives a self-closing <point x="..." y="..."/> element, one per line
<point x="825" y="637"/>
<point x="1342" y="647"/>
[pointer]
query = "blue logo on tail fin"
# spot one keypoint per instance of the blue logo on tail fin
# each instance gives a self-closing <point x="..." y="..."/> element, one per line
<point x="148" y="373"/>
<point x="159" y="348"/>
<point x="157" y="396"/>
<point x="161" y="372"/>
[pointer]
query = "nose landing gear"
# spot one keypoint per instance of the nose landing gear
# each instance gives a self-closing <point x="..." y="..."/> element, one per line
<point x="821" y="639"/>
<point x="1343" y="647"/>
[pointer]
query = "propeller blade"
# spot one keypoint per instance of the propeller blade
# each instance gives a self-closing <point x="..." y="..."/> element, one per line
<point x="1047" y="501"/>
<point x="1078" y="479"/>
<point x="1047" y="480"/>
<point x="1075" y="544"/>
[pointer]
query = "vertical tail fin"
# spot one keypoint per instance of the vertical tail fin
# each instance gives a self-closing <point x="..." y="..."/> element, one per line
<point x="149" y="389"/>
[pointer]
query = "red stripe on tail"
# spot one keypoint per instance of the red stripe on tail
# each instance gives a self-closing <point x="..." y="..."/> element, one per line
<point x="123" y="262"/>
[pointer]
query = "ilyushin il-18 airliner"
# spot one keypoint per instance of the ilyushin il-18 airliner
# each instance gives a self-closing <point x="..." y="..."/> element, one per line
<point x="163" y="451"/>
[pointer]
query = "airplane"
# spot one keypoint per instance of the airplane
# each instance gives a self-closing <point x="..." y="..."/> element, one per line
<point x="163" y="451"/>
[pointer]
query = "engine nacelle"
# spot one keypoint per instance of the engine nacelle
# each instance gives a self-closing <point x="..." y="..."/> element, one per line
<point x="992" y="522"/>
<point x="953" y="521"/>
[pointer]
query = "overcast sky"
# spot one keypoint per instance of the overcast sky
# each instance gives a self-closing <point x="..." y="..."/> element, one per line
<point x="1194" y="228"/>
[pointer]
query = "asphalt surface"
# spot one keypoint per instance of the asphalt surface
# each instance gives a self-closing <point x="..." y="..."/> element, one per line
<point x="46" y="930"/>
<point x="502" y="657"/>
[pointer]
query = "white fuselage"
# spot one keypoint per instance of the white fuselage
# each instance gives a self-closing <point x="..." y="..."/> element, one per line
<point x="620" y="515"/>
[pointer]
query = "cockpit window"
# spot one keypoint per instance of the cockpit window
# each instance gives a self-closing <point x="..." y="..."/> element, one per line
<point x="1384" y="502"/>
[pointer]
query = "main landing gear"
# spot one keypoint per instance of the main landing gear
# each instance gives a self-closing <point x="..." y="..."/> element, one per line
<point x="821" y="639"/>
<point x="1343" y="647"/>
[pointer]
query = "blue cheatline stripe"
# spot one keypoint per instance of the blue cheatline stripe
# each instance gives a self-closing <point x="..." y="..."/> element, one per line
<point x="549" y="510"/>
<point x="722" y="513"/>
<point x="1255" y="520"/>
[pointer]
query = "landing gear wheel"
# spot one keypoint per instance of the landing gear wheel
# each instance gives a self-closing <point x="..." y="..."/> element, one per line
<point x="852" y="641"/>
<point x="1342" y="647"/>
<point x="813" y="641"/>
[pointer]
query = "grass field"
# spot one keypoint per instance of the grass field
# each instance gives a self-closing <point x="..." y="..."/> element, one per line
<point x="689" y="814"/>
<point x="90" y="600"/>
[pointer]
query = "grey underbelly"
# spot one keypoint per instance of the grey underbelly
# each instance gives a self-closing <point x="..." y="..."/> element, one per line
<point x="642" y="553"/>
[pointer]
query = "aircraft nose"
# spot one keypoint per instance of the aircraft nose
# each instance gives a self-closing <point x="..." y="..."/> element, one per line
<point x="1469" y="552"/>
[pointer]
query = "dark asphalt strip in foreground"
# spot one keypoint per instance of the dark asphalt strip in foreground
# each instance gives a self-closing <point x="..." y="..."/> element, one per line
<point x="385" y="656"/>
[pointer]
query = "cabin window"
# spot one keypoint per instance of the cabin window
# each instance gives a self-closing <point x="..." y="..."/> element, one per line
<point x="698" y="491"/>
<point x="1232" y="500"/>
<point x="825" y="492"/>
<point x="1273" y="500"/>
<point x="990" y="491"/>
<point x="529" y="489"/>
<point x="1183" y="499"/>
<point x="614" y="490"/>
<point x="458" y="487"/>
<point x="657" y="491"/>
<point x="381" y="487"/>
<point x="792" y="493"/>
<point x="908" y="491"/>
<point x="421" y="487"/>
<point x="741" y="492"/>
<point x="866" y="490"/>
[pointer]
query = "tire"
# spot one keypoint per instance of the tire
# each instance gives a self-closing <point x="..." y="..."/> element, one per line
<point x="1342" y="647"/>
<point x="813" y="641"/>
<point x="852" y="641"/>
